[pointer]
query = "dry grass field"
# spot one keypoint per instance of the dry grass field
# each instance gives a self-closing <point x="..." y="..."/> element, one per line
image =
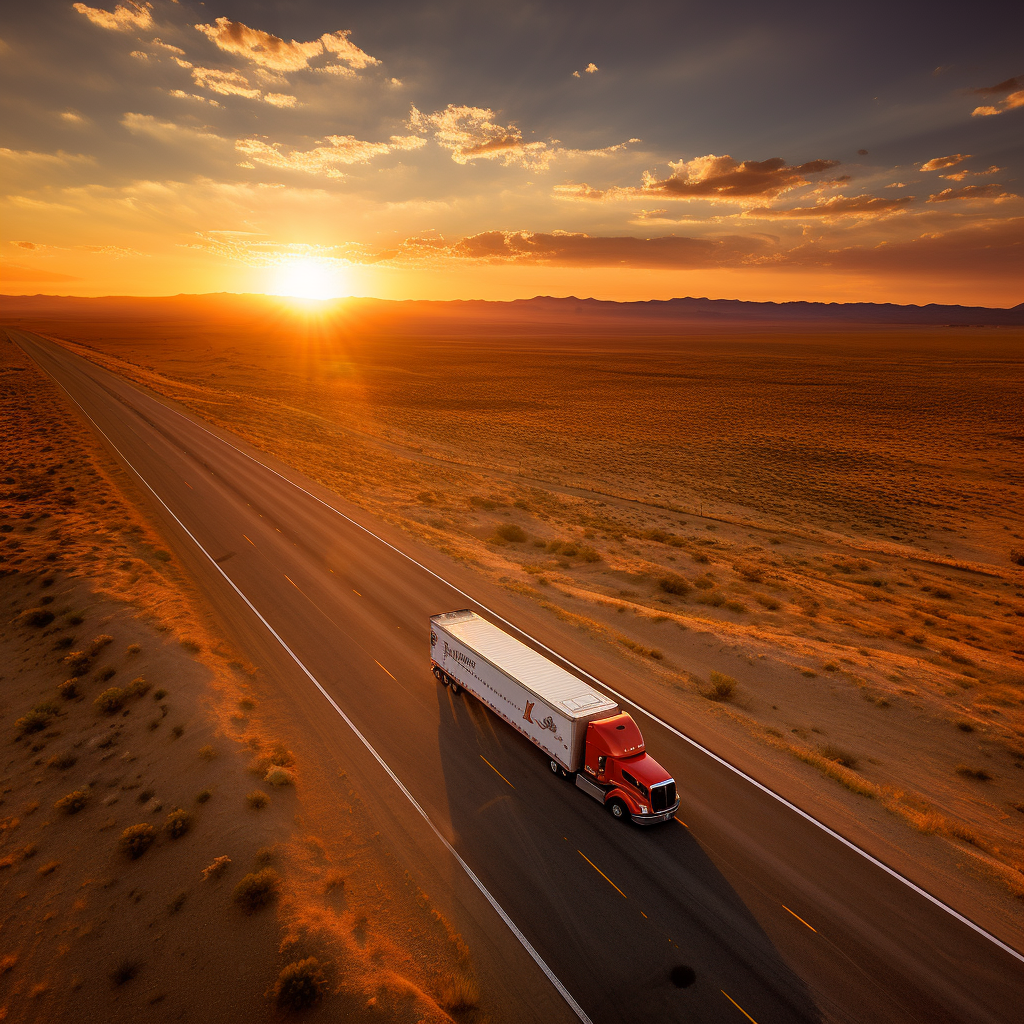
<point x="165" y="853"/>
<point x="815" y="537"/>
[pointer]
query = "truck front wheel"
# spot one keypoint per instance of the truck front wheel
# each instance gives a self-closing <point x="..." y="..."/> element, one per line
<point x="618" y="809"/>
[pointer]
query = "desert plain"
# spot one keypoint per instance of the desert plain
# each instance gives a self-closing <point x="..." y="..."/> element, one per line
<point x="803" y="541"/>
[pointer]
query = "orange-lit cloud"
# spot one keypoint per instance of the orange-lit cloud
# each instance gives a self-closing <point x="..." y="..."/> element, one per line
<point x="273" y="52"/>
<point x="121" y="19"/>
<point x="343" y="150"/>
<point x="471" y="133"/>
<point x="991" y="191"/>
<point x="940" y="163"/>
<point x="1014" y="100"/>
<point x="226" y="83"/>
<point x="716" y="178"/>
<point x="590" y="69"/>
<point x="960" y="175"/>
<point x="835" y="207"/>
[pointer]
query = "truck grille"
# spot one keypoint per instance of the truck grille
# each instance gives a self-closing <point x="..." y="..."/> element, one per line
<point x="663" y="797"/>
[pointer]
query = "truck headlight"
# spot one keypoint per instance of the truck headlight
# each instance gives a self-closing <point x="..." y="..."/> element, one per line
<point x="643" y="810"/>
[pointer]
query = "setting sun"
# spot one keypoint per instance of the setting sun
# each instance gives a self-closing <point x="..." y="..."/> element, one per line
<point x="308" y="279"/>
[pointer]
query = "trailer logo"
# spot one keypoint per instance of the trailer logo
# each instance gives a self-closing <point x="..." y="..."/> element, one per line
<point x="548" y="723"/>
<point x="458" y="656"/>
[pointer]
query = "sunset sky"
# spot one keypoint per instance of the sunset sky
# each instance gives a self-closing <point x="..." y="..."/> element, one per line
<point x="476" y="150"/>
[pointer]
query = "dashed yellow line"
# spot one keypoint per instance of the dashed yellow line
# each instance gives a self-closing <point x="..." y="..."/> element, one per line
<point x="602" y="874"/>
<point x="799" y="918"/>
<point x="354" y="591"/>
<point x="737" y="1005"/>
<point x="381" y="666"/>
<point x="495" y="770"/>
<point x="249" y="540"/>
<point x="680" y="820"/>
<point x="293" y="583"/>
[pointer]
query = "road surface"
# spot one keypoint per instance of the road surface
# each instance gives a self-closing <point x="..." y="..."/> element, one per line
<point x="743" y="910"/>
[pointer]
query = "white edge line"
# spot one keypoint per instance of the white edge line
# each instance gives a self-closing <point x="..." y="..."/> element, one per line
<point x="665" y="725"/>
<point x="524" y="941"/>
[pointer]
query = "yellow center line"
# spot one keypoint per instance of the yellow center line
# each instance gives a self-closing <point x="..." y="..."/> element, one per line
<point x="737" y="1005"/>
<point x="293" y="583"/>
<point x="381" y="666"/>
<point x="249" y="540"/>
<point x="354" y="591"/>
<point x="602" y="874"/>
<point x="495" y="770"/>
<point x="189" y="486"/>
<point x="680" y="820"/>
<point x="799" y="918"/>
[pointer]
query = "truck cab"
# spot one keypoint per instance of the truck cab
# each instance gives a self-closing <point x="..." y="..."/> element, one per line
<point x="617" y="765"/>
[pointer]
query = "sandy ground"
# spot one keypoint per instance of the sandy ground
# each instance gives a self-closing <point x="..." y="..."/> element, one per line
<point x="89" y="594"/>
<point x="810" y="538"/>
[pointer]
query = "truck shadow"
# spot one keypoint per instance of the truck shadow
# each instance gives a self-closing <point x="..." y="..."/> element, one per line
<point x="638" y="923"/>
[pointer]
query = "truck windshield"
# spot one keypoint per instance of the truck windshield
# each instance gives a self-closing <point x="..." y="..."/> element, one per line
<point x="633" y="782"/>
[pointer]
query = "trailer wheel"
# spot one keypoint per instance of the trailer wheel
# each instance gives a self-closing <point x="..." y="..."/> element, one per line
<point x="455" y="686"/>
<point x="440" y="676"/>
<point x="556" y="767"/>
<point x="618" y="809"/>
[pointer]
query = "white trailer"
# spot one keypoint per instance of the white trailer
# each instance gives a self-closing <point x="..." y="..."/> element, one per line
<point x="547" y="704"/>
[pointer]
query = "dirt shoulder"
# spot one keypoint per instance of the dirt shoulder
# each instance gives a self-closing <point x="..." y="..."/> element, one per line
<point x="162" y="854"/>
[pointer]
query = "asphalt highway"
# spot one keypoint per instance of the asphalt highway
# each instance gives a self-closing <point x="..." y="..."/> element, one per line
<point x="741" y="910"/>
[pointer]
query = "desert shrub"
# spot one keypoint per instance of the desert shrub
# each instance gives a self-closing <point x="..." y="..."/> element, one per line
<point x="203" y="795"/>
<point x="712" y="598"/>
<point x="768" y="602"/>
<point x="68" y="689"/>
<point x="1017" y="556"/>
<point x="48" y="869"/>
<point x="831" y="666"/>
<point x="177" y="903"/>
<point x="965" y="726"/>
<point x="554" y="546"/>
<point x="589" y="554"/>
<point x="75" y="620"/>
<point x="300" y="985"/>
<point x="257" y="799"/>
<point x="179" y="731"/>
<point x="178" y="823"/>
<point x="73" y="802"/>
<point x="264" y="855"/>
<point x="38" y="617"/>
<point x="809" y="672"/>
<point x="125" y="971"/>
<point x="110" y="701"/>
<point x="736" y="606"/>
<point x="34" y="721"/>
<point x="457" y="992"/>
<point x="137" y="839"/>
<point x="282" y="756"/>
<point x="257" y="889"/>
<point x="569" y="549"/>
<point x="216" y="869"/>
<point x="722" y="687"/>
<point x="484" y="503"/>
<point x="62" y="643"/>
<point x="62" y="761"/>
<point x="138" y="687"/>
<point x="510" y="532"/>
<point x="700" y="557"/>
<point x="839" y="755"/>
<point x="107" y="673"/>
<point x="207" y="753"/>
<point x="750" y="573"/>
<point x="703" y="583"/>
<point x="159" y="694"/>
<point x="279" y="776"/>
<point x="674" y="585"/>
<point x="133" y="649"/>
<point x="99" y="643"/>
<point x="978" y="774"/>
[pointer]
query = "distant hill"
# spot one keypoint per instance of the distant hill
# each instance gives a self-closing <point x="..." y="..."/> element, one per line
<point x="541" y="314"/>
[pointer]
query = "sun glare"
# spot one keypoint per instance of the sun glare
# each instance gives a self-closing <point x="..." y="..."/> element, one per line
<point x="309" y="279"/>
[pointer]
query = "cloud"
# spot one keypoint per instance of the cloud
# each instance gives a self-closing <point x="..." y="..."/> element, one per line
<point x="718" y="178"/>
<point x="343" y="150"/>
<point x="226" y="83"/>
<point x="29" y="158"/>
<point x="960" y="175"/>
<point x="836" y="207"/>
<point x="574" y="249"/>
<point x="590" y="69"/>
<point x="1014" y="100"/>
<point x="471" y="133"/>
<point x="180" y="94"/>
<point x="166" y="131"/>
<point x="121" y="19"/>
<point x="278" y="99"/>
<point x="1010" y="85"/>
<point x="991" y="191"/>
<point x="273" y="52"/>
<point x="940" y="163"/>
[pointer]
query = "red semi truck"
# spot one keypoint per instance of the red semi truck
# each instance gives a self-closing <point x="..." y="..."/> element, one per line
<point x="584" y="733"/>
